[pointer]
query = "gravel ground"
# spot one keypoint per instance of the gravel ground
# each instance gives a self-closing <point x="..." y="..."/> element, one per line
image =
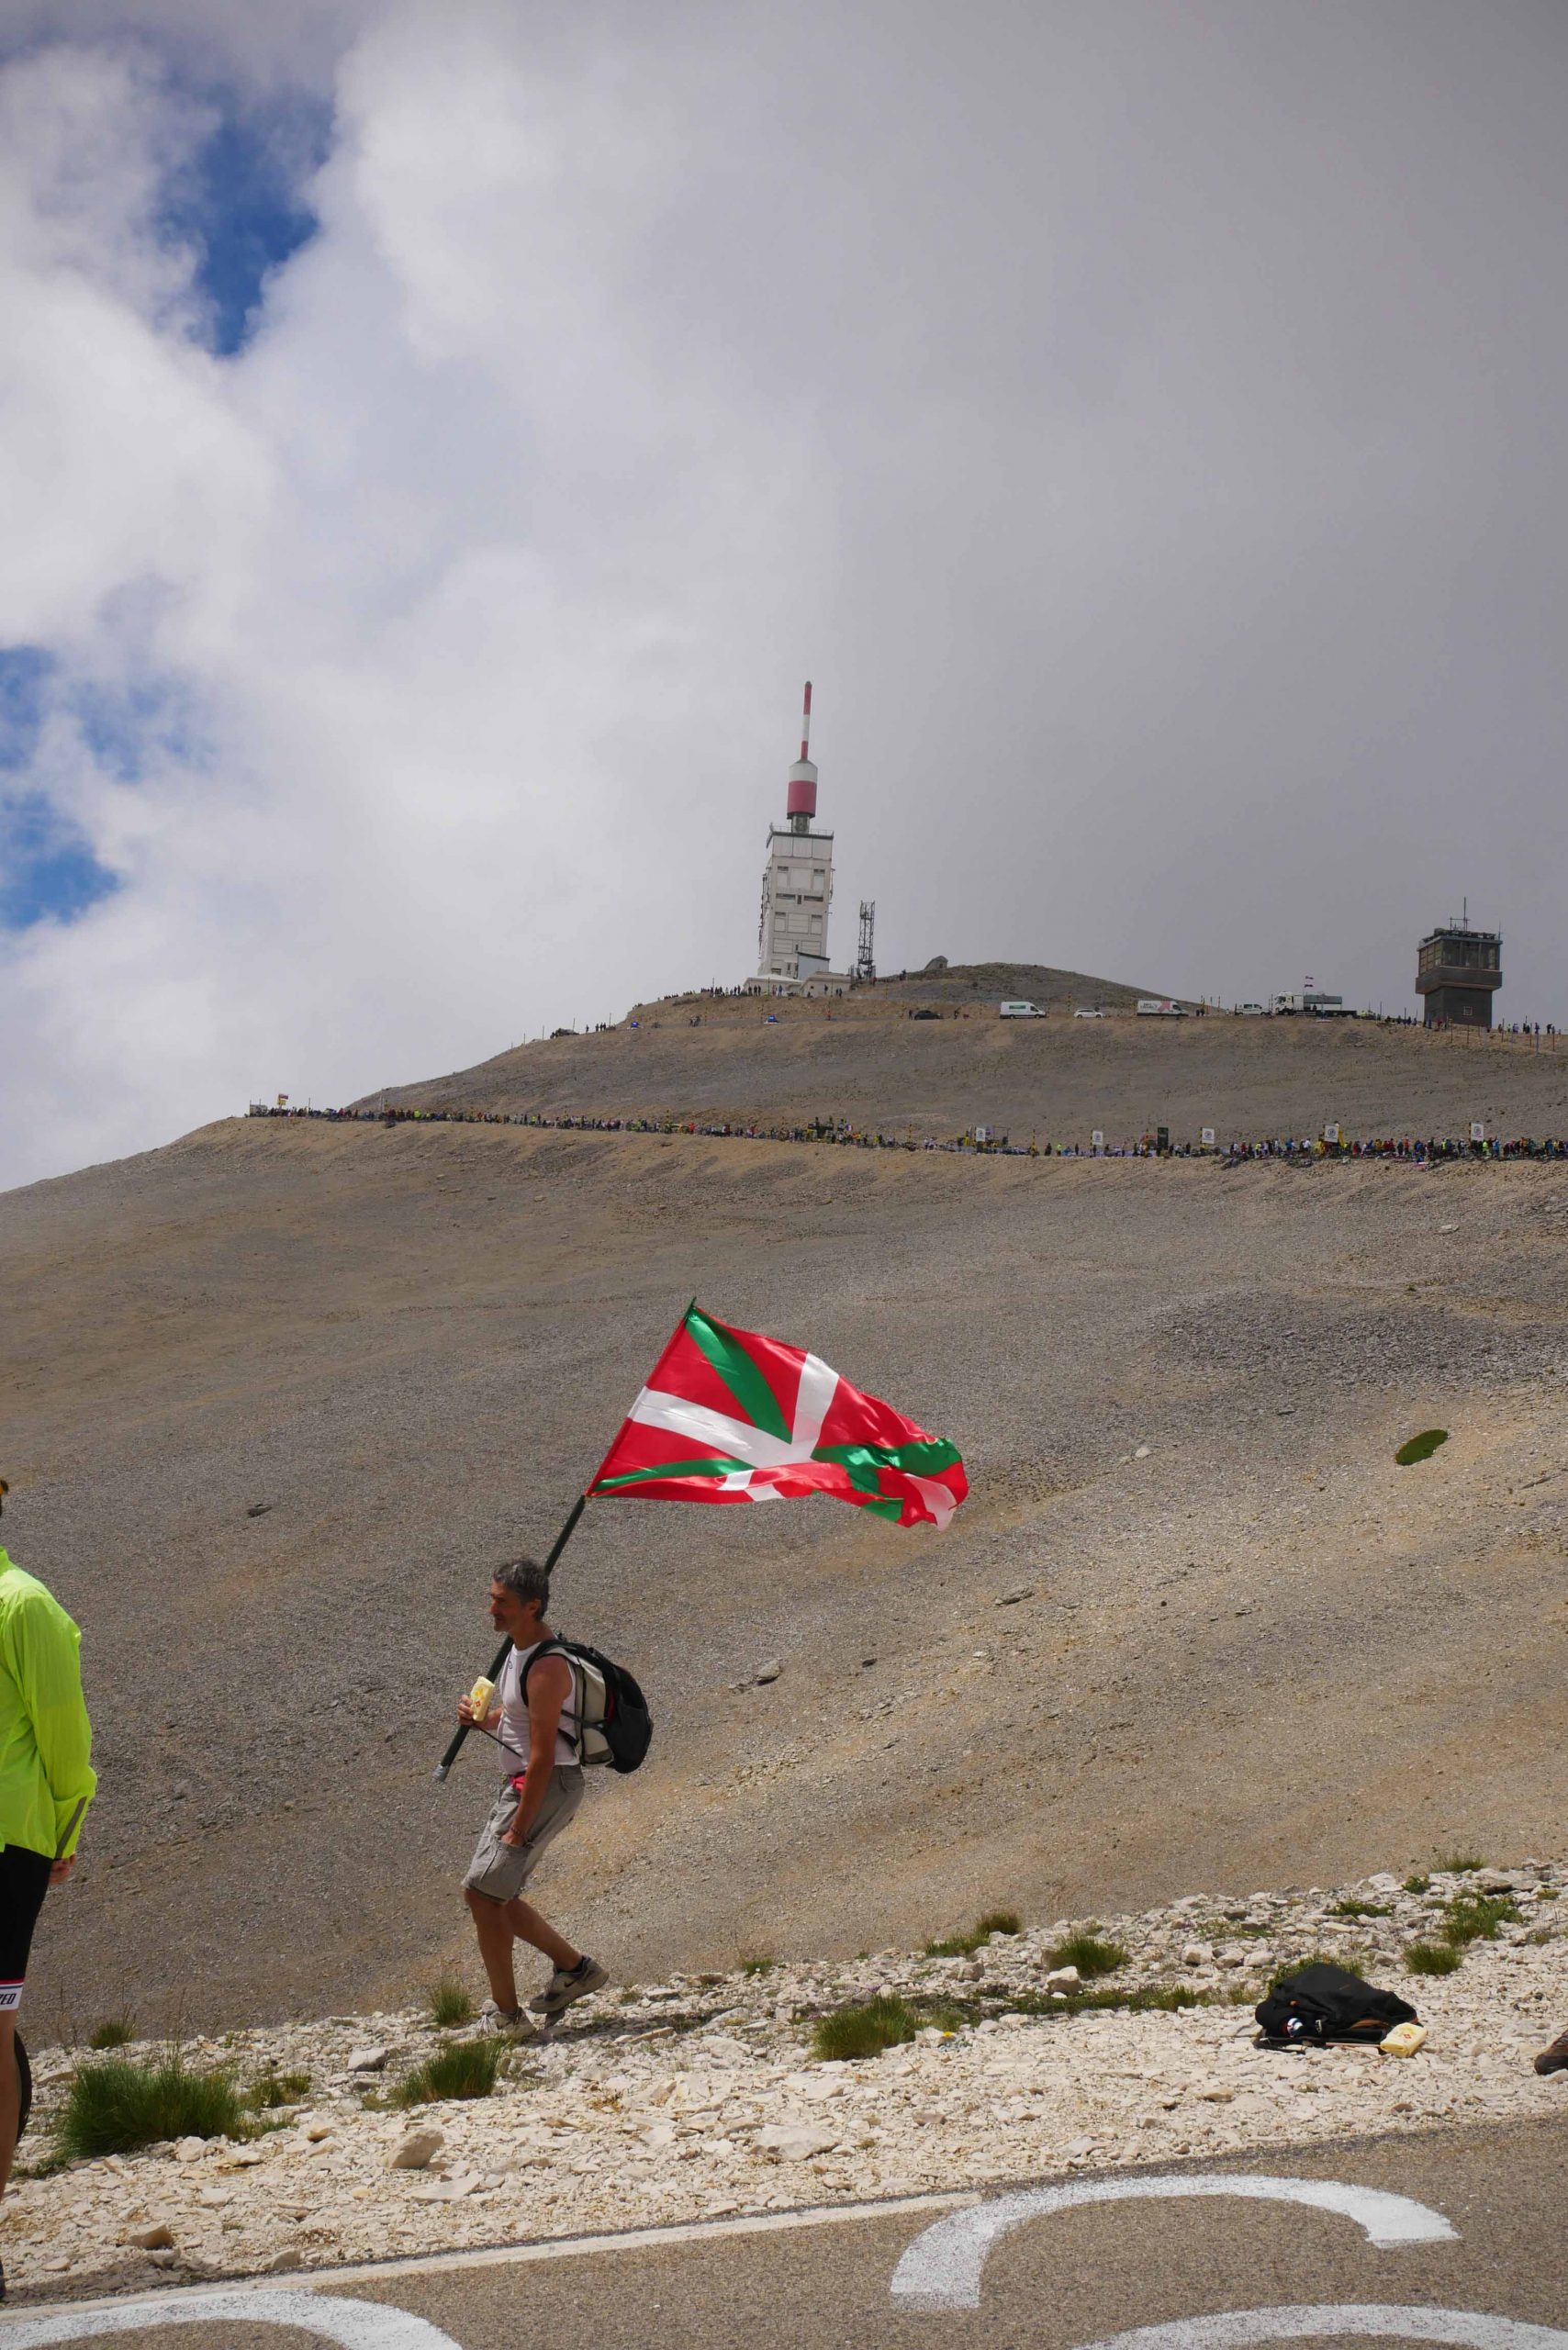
<point x="1193" y="1626"/>
<point x="699" y="2096"/>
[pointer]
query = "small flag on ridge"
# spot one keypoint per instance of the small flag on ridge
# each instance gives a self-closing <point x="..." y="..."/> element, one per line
<point x="729" y="1415"/>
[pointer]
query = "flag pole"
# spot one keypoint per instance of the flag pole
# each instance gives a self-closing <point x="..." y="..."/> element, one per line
<point x="564" y="1535"/>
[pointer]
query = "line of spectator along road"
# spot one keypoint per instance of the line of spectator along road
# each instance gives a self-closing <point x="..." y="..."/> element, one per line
<point x="1415" y="1150"/>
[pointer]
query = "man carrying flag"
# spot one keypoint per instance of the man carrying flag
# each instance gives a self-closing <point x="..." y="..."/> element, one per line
<point x="726" y="1416"/>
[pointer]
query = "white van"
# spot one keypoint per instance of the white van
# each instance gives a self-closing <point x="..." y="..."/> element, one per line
<point x="1021" y="1011"/>
<point x="1250" y="1011"/>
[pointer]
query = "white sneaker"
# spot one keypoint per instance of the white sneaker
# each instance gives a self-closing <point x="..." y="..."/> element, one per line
<point x="567" y="1984"/>
<point x="495" y="2023"/>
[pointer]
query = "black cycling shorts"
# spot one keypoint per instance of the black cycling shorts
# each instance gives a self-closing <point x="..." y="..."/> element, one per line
<point x="23" y="1881"/>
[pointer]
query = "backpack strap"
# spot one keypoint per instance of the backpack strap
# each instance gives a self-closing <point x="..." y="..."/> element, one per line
<point x="553" y="1647"/>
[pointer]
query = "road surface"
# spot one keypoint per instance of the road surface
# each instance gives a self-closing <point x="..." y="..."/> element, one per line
<point x="1453" y="2237"/>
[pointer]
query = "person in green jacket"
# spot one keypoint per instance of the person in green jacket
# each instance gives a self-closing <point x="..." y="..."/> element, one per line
<point x="46" y="1784"/>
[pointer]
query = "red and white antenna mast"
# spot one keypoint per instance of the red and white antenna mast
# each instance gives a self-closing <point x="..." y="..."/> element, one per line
<point x="801" y="804"/>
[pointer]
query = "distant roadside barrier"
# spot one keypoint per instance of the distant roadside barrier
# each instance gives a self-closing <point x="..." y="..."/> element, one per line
<point x="982" y="1143"/>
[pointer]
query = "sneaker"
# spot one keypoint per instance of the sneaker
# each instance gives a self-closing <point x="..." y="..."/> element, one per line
<point x="495" y="2021"/>
<point x="1555" y="2058"/>
<point x="568" y="1983"/>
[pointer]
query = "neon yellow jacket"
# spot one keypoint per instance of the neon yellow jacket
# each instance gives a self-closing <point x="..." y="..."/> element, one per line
<point x="46" y="1780"/>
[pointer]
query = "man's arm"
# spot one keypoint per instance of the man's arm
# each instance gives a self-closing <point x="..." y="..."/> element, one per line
<point x="549" y="1686"/>
<point x="45" y="1659"/>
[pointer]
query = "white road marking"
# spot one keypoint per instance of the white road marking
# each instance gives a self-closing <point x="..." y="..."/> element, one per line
<point x="353" y="2325"/>
<point x="1239" y="2329"/>
<point x="942" y="2268"/>
<point x="164" y="2305"/>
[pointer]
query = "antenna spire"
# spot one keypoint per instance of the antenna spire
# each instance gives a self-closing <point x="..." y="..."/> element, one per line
<point x="802" y="805"/>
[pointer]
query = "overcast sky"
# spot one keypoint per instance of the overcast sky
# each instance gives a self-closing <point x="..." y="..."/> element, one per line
<point x="437" y="441"/>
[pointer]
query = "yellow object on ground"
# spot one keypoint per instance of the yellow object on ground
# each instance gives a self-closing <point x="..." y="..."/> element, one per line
<point x="1404" y="2040"/>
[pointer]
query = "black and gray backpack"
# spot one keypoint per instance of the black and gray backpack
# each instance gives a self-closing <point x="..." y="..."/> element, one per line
<point x="614" y="1725"/>
<point x="1320" y="2003"/>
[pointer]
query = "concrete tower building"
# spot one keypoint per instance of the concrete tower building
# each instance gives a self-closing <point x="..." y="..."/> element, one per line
<point x="1459" y="971"/>
<point x="796" y="884"/>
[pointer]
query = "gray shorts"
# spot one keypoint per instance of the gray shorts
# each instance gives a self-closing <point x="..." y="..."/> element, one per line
<point x="502" y="1870"/>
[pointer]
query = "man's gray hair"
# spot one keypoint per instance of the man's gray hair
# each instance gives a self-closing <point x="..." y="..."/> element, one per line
<point x="526" y="1581"/>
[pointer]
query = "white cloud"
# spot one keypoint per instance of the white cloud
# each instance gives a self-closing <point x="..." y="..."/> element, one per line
<point x="440" y="596"/>
<point x="1144" y="429"/>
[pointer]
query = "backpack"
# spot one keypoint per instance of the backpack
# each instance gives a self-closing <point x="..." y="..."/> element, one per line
<point x="614" y="1725"/>
<point x="1323" y="2003"/>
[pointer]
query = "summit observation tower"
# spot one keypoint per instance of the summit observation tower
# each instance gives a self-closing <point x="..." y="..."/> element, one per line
<point x="797" y="889"/>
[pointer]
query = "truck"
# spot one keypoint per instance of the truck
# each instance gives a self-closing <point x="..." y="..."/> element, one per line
<point x="1160" y="1007"/>
<point x="1314" y="1002"/>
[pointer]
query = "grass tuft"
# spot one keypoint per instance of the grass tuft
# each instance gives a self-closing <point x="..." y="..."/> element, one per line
<point x="449" y="2003"/>
<point x="995" y="1921"/>
<point x="115" y="2032"/>
<point x="1353" y="1908"/>
<point x="272" y="2089"/>
<point x="1475" y="1917"/>
<point x="884" y="2021"/>
<point x="1000" y="1921"/>
<point x="1418" y="1884"/>
<point x="1462" y="1864"/>
<point x="463" y="2068"/>
<point x="1420" y="1448"/>
<point x="1434" y="1958"/>
<point x="1087" y="1953"/>
<point x="758" y="1962"/>
<point x="1352" y="1963"/>
<point x="1167" y="1998"/>
<point x="113" y="2107"/>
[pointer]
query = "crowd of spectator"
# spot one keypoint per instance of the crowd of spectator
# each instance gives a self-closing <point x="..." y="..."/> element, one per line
<point x="1413" y="1149"/>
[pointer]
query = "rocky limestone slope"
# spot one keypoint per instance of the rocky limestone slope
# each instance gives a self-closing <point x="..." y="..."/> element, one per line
<point x="699" y="2096"/>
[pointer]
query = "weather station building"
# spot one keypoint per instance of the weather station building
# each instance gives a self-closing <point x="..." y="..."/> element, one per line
<point x="796" y="892"/>
<point x="1457" y="970"/>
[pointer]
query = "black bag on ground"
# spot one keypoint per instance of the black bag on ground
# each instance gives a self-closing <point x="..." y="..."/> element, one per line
<point x="614" y="1725"/>
<point x="1323" y="2003"/>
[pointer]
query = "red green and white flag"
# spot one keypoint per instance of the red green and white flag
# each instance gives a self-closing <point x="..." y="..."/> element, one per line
<point x="728" y="1415"/>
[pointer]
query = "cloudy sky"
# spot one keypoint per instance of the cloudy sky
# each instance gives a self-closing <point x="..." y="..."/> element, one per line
<point x="437" y="439"/>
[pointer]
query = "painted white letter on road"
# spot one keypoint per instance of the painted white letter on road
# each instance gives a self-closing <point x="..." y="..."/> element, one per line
<point x="942" y="2268"/>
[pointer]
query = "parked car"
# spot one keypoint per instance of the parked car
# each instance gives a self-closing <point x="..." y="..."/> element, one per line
<point x="1089" y="1012"/>
<point x="1250" y="1011"/>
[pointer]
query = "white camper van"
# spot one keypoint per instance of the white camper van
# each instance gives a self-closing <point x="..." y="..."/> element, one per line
<point x="1021" y="1011"/>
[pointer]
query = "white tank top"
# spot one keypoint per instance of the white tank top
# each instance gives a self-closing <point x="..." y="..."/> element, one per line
<point x="514" y="1731"/>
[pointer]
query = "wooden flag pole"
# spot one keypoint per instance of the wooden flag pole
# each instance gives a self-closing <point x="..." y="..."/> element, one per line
<point x="564" y="1535"/>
